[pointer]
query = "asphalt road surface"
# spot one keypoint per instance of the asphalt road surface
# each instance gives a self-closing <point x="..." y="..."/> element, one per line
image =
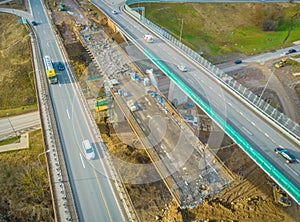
<point x="17" y="124"/>
<point x="92" y="191"/>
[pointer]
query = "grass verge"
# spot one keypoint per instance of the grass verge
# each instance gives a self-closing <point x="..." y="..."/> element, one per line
<point x="10" y="140"/>
<point x="223" y="28"/>
<point x="17" y="91"/>
<point x="25" y="193"/>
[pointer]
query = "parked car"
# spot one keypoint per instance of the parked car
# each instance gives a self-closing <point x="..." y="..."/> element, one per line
<point x="290" y="158"/>
<point x="292" y="50"/>
<point x="182" y="68"/>
<point x="34" y="23"/>
<point x="60" y="66"/>
<point x="238" y="61"/>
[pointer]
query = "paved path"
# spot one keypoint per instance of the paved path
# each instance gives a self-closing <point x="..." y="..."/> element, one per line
<point x="23" y="144"/>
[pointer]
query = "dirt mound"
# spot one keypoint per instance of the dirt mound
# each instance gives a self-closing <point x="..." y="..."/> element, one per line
<point x="248" y="198"/>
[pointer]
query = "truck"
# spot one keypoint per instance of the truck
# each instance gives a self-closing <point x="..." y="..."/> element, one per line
<point x="51" y="74"/>
<point x="131" y="105"/>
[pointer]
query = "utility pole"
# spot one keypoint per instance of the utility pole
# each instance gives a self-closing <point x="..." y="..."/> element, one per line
<point x="260" y="97"/>
<point x="11" y="125"/>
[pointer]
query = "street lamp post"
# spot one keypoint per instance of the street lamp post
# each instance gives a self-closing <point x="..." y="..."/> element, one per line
<point x="11" y="125"/>
<point x="47" y="151"/>
<point x="260" y="97"/>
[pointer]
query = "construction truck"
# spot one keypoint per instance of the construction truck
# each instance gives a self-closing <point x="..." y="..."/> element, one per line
<point x="51" y="75"/>
<point x="281" y="63"/>
<point x="131" y="105"/>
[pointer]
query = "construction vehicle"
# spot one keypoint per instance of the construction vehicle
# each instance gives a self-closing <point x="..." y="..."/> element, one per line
<point x="280" y="196"/>
<point x="62" y="6"/>
<point x="131" y="106"/>
<point x="51" y="75"/>
<point x="281" y="63"/>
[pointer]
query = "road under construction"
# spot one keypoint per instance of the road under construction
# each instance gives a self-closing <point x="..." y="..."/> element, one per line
<point x="190" y="170"/>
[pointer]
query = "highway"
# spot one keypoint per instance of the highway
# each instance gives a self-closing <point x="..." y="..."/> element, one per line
<point x="259" y="134"/>
<point x="92" y="191"/>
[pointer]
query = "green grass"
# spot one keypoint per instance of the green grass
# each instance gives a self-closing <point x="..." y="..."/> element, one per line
<point x="17" y="110"/>
<point x="296" y="65"/>
<point x="16" y="4"/>
<point x="218" y="29"/>
<point x="10" y="140"/>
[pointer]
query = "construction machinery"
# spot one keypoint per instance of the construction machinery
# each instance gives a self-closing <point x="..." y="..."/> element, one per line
<point x="62" y="6"/>
<point x="281" y="63"/>
<point x="280" y="196"/>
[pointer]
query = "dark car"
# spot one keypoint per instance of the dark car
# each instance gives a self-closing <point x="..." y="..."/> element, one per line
<point x="34" y="23"/>
<point x="290" y="158"/>
<point x="60" y="66"/>
<point x="238" y="61"/>
<point x="292" y="50"/>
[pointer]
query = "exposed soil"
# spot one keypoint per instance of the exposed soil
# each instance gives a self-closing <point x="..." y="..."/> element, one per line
<point x="274" y="84"/>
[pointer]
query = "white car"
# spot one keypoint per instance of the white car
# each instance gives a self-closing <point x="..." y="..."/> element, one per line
<point x="148" y="38"/>
<point x="88" y="149"/>
<point x="182" y="68"/>
<point x="114" y="11"/>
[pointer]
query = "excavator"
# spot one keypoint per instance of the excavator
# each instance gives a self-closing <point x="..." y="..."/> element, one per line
<point x="280" y="196"/>
<point x="281" y="63"/>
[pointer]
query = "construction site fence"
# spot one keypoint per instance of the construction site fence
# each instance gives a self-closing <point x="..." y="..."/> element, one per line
<point x="258" y="103"/>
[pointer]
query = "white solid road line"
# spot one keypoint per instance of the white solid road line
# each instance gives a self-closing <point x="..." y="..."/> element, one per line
<point x="68" y="114"/>
<point x="81" y="160"/>
<point x="247" y="131"/>
<point x="291" y="169"/>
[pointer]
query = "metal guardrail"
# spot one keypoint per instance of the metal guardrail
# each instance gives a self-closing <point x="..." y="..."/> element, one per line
<point x="257" y="102"/>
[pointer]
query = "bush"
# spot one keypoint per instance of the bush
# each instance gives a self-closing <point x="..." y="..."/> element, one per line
<point x="268" y="25"/>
